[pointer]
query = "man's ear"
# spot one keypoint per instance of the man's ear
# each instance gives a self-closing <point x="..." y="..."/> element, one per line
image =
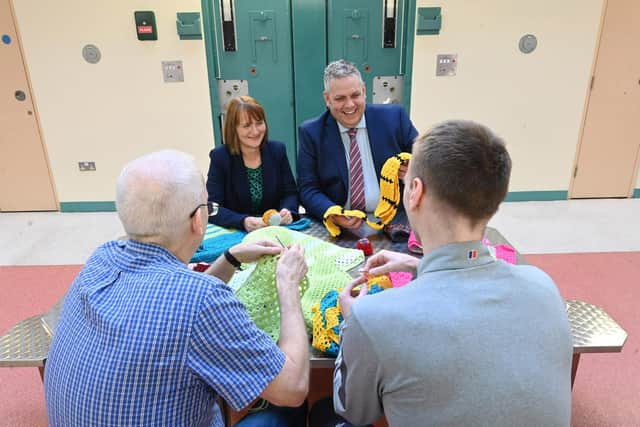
<point x="325" y="95"/>
<point x="198" y="225"/>
<point x="417" y="191"/>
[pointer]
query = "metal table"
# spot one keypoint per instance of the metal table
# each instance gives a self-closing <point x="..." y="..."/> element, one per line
<point x="593" y="330"/>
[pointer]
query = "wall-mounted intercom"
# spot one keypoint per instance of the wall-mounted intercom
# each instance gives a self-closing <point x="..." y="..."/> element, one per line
<point x="146" y="25"/>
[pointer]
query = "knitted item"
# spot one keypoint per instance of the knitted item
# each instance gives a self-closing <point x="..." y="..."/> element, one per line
<point x="218" y="239"/>
<point x="333" y="229"/>
<point x="328" y="264"/>
<point x="389" y="190"/>
<point x="389" y="198"/>
<point x="260" y="297"/>
<point x="400" y="278"/>
<point x="327" y="317"/>
<point x="326" y="324"/>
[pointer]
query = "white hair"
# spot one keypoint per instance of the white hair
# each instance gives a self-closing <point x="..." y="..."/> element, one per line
<point x="156" y="193"/>
<point x="338" y="70"/>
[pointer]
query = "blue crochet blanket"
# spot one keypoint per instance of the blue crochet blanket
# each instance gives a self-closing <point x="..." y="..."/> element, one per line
<point x="218" y="239"/>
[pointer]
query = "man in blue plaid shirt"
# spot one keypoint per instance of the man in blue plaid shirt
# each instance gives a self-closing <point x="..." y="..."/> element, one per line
<point x="143" y="340"/>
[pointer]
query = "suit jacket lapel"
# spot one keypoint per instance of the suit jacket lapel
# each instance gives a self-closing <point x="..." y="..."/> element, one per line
<point x="374" y="127"/>
<point x="269" y="178"/>
<point x="240" y="183"/>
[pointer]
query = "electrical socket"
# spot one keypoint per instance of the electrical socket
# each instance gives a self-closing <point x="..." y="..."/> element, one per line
<point x="87" y="166"/>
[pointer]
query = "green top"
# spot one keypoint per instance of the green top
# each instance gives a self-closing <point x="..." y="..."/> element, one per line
<point x="255" y="188"/>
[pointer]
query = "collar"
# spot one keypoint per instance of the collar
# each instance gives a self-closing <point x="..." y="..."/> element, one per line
<point x="455" y="256"/>
<point x="361" y="125"/>
<point x="132" y="254"/>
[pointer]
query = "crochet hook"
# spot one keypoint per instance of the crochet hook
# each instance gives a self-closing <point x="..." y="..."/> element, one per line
<point x="280" y="241"/>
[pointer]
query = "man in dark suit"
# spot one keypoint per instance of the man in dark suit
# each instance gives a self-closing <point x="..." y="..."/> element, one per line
<point x="341" y="152"/>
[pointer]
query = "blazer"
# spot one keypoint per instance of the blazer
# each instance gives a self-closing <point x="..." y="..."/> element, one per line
<point x="228" y="184"/>
<point x="322" y="167"/>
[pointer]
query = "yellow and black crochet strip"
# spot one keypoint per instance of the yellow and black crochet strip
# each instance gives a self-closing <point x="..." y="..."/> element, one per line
<point x="388" y="203"/>
<point x="333" y="229"/>
<point x="389" y="191"/>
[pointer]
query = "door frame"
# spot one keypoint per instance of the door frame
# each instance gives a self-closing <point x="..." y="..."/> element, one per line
<point x="210" y="27"/>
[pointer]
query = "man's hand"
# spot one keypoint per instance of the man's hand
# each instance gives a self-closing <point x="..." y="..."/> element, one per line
<point x="350" y="222"/>
<point x="347" y="300"/>
<point x="253" y="223"/>
<point x="291" y="268"/>
<point x="285" y="216"/>
<point x="402" y="172"/>
<point x="387" y="261"/>
<point x="291" y="385"/>
<point x="249" y="252"/>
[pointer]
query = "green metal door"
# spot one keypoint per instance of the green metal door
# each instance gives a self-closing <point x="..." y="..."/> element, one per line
<point x="251" y="54"/>
<point x="276" y="51"/>
<point x="371" y="34"/>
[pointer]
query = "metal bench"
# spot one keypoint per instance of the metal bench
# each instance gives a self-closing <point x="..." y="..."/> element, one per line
<point x="594" y="331"/>
<point x="27" y="343"/>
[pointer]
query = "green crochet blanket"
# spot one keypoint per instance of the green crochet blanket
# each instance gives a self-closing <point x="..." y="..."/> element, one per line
<point x="255" y="285"/>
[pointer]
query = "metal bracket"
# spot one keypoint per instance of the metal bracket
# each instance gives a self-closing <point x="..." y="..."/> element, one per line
<point x="388" y="89"/>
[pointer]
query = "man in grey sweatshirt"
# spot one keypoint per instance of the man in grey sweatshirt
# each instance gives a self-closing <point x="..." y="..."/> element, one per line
<point x="472" y="340"/>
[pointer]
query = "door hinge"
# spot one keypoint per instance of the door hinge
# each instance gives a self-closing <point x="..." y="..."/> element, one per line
<point x="575" y="171"/>
<point x="591" y="85"/>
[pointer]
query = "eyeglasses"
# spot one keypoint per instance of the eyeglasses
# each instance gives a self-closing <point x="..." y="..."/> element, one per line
<point x="212" y="209"/>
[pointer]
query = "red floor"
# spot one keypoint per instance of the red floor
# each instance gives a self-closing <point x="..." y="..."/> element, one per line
<point x="607" y="388"/>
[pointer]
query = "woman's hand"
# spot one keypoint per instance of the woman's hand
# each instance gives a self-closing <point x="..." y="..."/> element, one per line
<point x="253" y="223"/>
<point x="285" y="216"/>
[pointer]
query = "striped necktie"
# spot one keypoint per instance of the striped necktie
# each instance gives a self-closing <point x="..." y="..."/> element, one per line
<point x="355" y="170"/>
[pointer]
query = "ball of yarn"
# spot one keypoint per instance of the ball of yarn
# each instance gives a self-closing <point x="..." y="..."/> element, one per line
<point x="271" y="217"/>
<point x="275" y="219"/>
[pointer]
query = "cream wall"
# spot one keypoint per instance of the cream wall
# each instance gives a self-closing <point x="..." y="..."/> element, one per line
<point x="534" y="101"/>
<point x="115" y="110"/>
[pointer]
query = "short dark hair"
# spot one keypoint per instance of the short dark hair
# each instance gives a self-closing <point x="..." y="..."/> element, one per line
<point x="466" y="166"/>
<point x="236" y="108"/>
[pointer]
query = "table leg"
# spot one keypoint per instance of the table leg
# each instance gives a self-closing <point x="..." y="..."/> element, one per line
<point x="574" y="367"/>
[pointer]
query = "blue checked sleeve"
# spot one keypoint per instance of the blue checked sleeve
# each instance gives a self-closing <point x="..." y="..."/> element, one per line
<point x="229" y="352"/>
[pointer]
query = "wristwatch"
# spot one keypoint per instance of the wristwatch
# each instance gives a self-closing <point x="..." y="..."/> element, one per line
<point x="232" y="260"/>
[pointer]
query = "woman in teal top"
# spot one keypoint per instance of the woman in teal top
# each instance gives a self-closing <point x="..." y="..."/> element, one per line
<point x="250" y="174"/>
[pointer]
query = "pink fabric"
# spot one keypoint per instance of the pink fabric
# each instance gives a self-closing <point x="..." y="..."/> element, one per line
<point x="506" y="253"/>
<point x="503" y="252"/>
<point x="413" y="244"/>
<point x="400" y="278"/>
